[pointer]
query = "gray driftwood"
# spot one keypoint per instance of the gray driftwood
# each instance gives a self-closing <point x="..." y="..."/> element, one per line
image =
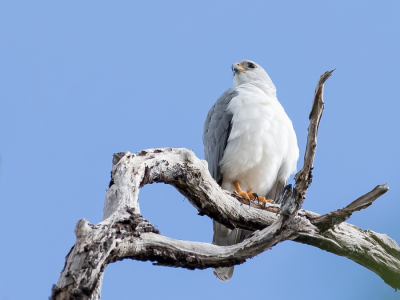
<point x="124" y="233"/>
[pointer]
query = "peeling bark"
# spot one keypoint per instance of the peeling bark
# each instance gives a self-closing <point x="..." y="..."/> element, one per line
<point x="124" y="233"/>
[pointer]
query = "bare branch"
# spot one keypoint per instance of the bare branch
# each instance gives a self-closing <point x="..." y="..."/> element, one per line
<point x="126" y="235"/>
<point x="328" y="220"/>
<point x="196" y="255"/>
<point x="304" y="176"/>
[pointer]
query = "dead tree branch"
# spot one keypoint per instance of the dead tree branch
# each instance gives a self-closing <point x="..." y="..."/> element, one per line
<point x="328" y="220"/>
<point x="124" y="233"/>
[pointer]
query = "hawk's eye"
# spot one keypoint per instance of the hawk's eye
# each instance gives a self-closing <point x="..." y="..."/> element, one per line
<point x="252" y="66"/>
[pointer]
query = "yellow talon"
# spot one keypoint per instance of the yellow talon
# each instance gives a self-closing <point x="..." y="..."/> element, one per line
<point x="250" y="194"/>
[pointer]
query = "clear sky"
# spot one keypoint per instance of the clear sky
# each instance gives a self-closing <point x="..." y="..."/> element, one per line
<point x="81" y="80"/>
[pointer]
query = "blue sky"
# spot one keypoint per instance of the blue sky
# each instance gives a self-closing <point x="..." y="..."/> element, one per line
<point x="81" y="80"/>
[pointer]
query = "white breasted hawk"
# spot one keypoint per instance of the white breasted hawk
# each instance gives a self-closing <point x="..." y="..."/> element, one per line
<point x="249" y="144"/>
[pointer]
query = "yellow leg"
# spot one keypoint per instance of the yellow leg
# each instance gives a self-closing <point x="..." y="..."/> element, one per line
<point x="239" y="190"/>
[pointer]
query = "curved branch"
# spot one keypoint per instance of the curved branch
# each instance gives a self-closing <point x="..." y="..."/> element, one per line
<point x="125" y="234"/>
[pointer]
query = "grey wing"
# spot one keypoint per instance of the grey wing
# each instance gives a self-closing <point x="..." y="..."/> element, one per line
<point x="216" y="132"/>
<point x="217" y="128"/>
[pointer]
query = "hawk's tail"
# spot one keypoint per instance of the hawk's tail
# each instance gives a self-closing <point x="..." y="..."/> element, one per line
<point x="224" y="236"/>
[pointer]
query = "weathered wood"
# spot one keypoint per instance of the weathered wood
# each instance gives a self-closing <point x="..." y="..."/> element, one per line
<point x="328" y="220"/>
<point x="304" y="177"/>
<point x="124" y="233"/>
<point x="375" y="251"/>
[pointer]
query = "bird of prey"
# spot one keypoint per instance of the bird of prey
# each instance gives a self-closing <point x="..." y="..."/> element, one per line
<point x="249" y="144"/>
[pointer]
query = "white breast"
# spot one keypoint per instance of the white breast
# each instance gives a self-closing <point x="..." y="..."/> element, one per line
<point x="262" y="142"/>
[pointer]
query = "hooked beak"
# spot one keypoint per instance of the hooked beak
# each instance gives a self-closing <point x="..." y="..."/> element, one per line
<point x="237" y="67"/>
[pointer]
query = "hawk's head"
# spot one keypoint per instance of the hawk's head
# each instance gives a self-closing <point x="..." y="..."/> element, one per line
<point x="247" y="71"/>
